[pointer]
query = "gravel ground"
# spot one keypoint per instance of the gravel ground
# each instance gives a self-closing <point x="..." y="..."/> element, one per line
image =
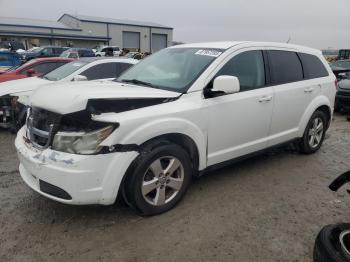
<point x="268" y="208"/>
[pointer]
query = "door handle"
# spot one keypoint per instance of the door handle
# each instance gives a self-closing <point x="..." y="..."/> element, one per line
<point x="309" y="90"/>
<point x="265" y="99"/>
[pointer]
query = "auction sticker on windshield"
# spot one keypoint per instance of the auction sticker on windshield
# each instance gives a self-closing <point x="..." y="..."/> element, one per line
<point x="213" y="53"/>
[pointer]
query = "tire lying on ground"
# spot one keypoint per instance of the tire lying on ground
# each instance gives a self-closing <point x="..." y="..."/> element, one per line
<point x="333" y="243"/>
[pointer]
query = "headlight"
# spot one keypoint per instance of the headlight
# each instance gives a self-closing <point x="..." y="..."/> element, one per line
<point x="81" y="142"/>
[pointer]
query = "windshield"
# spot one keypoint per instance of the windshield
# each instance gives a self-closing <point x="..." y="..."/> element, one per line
<point x="341" y="64"/>
<point x="65" y="53"/>
<point x="36" y="50"/>
<point x="130" y="55"/>
<point x="173" y="69"/>
<point x="32" y="49"/>
<point x="64" y="71"/>
<point x="98" y="49"/>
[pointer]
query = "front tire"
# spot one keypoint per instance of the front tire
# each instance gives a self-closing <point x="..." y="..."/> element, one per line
<point x="314" y="133"/>
<point x="158" y="178"/>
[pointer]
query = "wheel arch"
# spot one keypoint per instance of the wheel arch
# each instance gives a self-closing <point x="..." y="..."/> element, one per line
<point x="321" y="103"/>
<point x="177" y="130"/>
<point x="182" y="140"/>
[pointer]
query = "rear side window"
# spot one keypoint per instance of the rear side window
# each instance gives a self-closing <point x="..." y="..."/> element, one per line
<point x="313" y="67"/>
<point x="101" y="71"/>
<point x="285" y="67"/>
<point x="44" y="68"/>
<point x="248" y="67"/>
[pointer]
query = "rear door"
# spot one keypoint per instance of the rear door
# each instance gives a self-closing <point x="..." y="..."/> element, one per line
<point x="292" y="94"/>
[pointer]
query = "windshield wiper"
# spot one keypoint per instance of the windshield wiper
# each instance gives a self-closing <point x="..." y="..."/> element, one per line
<point x="137" y="82"/>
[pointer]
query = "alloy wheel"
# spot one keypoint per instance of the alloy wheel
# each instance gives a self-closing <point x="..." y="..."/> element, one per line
<point x="316" y="133"/>
<point x="162" y="181"/>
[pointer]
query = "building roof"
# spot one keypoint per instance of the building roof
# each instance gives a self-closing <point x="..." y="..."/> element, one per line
<point x="27" y="22"/>
<point x="95" y="19"/>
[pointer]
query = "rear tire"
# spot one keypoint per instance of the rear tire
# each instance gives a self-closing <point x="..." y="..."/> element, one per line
<point x="158" y="178"/>
<point x="314" y="133"/>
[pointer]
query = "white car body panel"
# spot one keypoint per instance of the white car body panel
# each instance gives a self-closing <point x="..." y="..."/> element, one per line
<point x="222" y="128"/>
<point x="22" y="85"/>
<point x="81" y="92"/>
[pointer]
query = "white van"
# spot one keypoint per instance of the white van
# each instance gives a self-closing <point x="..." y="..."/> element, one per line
<point x="177" y="114"/>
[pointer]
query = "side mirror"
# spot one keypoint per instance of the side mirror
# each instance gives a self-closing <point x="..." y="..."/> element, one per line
<point x="30" y="72"/>
<point x="226" y="84"/>
<point x="80" y="78"/>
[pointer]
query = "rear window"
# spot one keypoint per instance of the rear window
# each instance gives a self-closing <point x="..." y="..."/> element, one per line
<point x="285" y="67"/>
<point x="313" y="67"/>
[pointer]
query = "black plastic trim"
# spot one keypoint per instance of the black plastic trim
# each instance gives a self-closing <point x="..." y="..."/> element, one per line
<point x="242" y="158"/>
<point x="54" y="190"/>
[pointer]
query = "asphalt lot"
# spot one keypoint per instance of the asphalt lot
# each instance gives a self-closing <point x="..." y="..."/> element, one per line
<point x="268" y="208"/>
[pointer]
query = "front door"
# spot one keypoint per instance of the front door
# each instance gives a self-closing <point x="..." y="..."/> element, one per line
<point x="238" y="124"/>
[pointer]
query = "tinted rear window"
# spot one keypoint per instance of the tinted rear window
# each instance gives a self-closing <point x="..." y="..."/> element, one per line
<point x="285" y="67"/>
<point x="313" y="67"/>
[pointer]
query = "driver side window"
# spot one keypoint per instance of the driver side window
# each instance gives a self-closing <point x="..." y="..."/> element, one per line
<point x="248" y="67"/>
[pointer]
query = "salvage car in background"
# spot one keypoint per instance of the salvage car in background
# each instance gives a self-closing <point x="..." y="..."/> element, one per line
<point x="177" y="114"/>
<point x="341" y="64"/>
<point x="44" y="51"/>
<point x="108" y="51"/>
<point x="78" y="53"/>
<point x="12" y="45"/>
<point x="35" y="67"/>
<point x="342" y="98"/>
<point x="134" y="55"/>
<point x="341" y="69"/>
<point x="14" y="95"/>
<point x="8" y="60"/>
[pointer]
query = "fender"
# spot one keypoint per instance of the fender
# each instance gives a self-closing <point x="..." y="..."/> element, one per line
<point x="316" y="103"/>
<point x="159" y="127"/>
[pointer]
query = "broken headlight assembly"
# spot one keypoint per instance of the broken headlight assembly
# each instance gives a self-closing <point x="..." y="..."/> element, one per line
<point x="84" y="143"/>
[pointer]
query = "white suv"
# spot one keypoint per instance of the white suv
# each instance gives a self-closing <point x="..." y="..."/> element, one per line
<point x="180" y="112"/>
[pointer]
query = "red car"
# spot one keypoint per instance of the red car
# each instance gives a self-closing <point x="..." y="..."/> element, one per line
<point x="35" y="67"/>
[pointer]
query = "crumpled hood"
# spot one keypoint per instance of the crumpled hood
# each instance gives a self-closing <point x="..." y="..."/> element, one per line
<point x="22" y="85"/>
<point x="65" y="98"/>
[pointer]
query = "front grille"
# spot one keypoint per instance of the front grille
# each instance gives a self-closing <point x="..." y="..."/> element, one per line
<point x="6" y="110"/>
<point x="5" y="101"/>
<point x="43" y="119"/>
<point x="42" y="126"/>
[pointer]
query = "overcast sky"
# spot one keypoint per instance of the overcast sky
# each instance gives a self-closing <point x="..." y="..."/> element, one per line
<point x="315" y="23"/>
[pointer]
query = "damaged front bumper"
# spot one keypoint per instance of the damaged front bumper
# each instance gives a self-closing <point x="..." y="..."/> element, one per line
<point x="71" y="178"/>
